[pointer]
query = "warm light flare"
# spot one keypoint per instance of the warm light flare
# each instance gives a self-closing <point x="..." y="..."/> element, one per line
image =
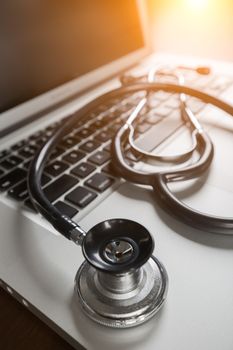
<point x="193" y="27"/>
<point x="197" y="5"/>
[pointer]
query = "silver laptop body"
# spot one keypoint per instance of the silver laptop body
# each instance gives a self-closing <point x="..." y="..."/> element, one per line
<point x="38" y="266"/>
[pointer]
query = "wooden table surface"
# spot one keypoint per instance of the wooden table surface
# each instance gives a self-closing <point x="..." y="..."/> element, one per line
<point x="21" y="330"/>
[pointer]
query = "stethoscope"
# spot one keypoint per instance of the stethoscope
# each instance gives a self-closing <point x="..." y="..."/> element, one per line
<point x="121" y="284"/>
<point x="186" y="115"/>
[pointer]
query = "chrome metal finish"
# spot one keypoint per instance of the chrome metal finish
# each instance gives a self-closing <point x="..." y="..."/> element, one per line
<point x="193" y="120"/>
<point x="186" y="113"/>
<point x="118" y="251"/>
<point x="118" y="283"/>
<point x="122" y="300"/>
<point x="136" y="111"/>
<point x="77" y="235"/>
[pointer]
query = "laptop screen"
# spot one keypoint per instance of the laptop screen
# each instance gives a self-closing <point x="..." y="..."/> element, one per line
<point x="46" y="43"/>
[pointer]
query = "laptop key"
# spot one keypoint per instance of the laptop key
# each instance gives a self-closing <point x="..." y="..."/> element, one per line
<point x="90" y="146"/>
<point x="69" y="142"/>
<point x="158" y="133"/>
<point x="107" y="119"/>
<point x="83" y="121"/>
<point x="66" y="209"/>
<point x="41" y="140"/>
<point x="153" y="118"/>
<point x="56" y="168"/>
<point x="99" y="182"/>
<point x="11" y="162"/>
<point x="73" y="157"/>
<point x="36" y="135"/>
<point x="82" y="170"/>
<point x="45" y="179"/>
<point x="97" y="124"/>
<point x="57" y="151"/>
<point x="20" y="191"/>
<point x="28" y="151"/>
<point x="100" y="157"/>
<point x="173" y="102"/>
<point x="108" y="147"/>
<point x="12" y="179"/>
<point x="141" y="128"/>
<point x="163" y="110"/>
<point x="81" y="196"/>
<point x="109" y="169"/>
<point x="115" y="127"/>
<point x="4" y="153"/>
<point x="48" y="133"/>
<point x="18" y="145"/>
<point x="104" y="135"/>
<point x="83" y="133"/>
<point x="60" y="186"/>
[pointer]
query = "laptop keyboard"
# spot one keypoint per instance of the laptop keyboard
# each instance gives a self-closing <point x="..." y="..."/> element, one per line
<point x="79" y="169"/>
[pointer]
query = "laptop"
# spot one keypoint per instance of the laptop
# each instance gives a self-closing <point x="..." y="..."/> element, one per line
<point x="56" y="57"/>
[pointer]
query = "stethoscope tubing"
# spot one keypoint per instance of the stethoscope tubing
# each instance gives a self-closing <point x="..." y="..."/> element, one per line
<point x="185" y="114"/>
<point x="63" y="223"/>
<point x="194" y="218"/>
<point x="205" y="148"/>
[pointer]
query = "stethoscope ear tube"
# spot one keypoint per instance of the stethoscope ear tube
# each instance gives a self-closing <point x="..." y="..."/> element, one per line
<point x="163" y="195"/>
<point x="119" y="163"/>
<point x="63" y="223"/>
<point x="190" y="216"/>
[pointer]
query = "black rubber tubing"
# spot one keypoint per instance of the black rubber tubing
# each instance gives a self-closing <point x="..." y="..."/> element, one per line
<point x="63" y="223"/>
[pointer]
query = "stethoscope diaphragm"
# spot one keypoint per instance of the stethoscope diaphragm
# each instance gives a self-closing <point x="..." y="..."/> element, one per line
<point x="131" y="285"/>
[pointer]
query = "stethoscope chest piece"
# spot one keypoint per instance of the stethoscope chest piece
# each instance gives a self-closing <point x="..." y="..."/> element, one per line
<point x="120" y="284"/>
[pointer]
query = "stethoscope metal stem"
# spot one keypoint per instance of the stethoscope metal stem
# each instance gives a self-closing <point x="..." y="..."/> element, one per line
<point x="186" y="115"/>
<point x="136" y="111"/>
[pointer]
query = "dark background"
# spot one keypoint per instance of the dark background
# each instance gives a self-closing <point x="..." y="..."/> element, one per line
<point x="45" y="43"/>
